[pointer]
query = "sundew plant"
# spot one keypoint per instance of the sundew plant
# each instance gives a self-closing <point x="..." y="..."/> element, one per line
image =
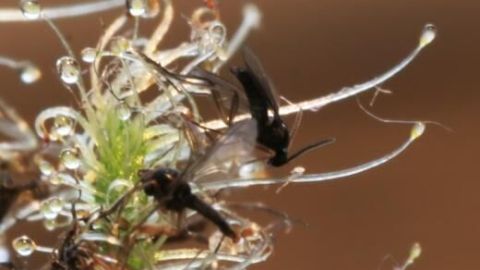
<point x="132" y="176"/>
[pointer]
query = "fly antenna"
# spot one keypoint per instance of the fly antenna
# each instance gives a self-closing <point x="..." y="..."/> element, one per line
<point x="310" y="147"/>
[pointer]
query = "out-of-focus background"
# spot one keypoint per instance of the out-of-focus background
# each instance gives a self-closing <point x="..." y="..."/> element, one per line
<point x="312" y="48"/>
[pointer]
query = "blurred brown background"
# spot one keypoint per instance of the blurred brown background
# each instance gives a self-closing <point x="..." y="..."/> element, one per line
<point x="311" y="48"/>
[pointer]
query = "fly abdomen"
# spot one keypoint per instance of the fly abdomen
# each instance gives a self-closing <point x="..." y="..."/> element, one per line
<point x="257" y="100"/>
<point x="211" y="214"/>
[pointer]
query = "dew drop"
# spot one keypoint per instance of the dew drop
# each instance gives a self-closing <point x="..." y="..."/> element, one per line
<point x="46" y="210"/>
<point x="24" y="246"/>
<point x="50" y="224"/>
<point x="251" y="170"/>
<point x="63" y="125"/>
<point x="297" y="171"/>
<point x="55" y="180"/>
<point x="89" y="55"/>
<point x="45" y="167"/>
<point x="30" y="8"/>
<point x="137" y="7"/>
<point x="82" y="213"/>
<point x="30" y="74"/>
<point x="56" y="204"/>
<point x="415" y="252"/>
<point x="428" y="34"/>
<point x="119" y="45"/>
<point x="68" y="69"/>
<point x="417" y="130"/>
<point x="211" y="38"/>
<point x="53" y="135"/>
<point x="123" y="111"/>
<point x="69" y="158"/>
<point x="153" y="9"/>
<point x="217" y="32"/>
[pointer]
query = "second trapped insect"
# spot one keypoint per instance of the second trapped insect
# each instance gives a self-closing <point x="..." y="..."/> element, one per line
<point x="273" y="133"/>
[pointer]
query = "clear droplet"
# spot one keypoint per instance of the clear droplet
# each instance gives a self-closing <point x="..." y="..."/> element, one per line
<point x="30" y="8"/>
<point x="56" y="204"/>
<point x="428" y="34"/>
<point x="82" y="213"/>
<point x="123" y="111"/>
<point x="137" y="7"/>
<point x="53" y="135"/>
<point x="45" y="167"/>
<point x="89" y="55"/>
<point x="50" y="224"/>
<point x="153" y="9"/>
<point x="417" y="130"/>
<point x="24" y="246"/>
<point x="217" y="32"/>
<point x="30" y="74"/>
<point x="251" y="170"/>
<point x="46" y="210"/>
<point x="298" y="170"/>
<point x="56" y="180"/>
<point x="210" y="38"/>
<point x="119" y="45"/>
<point x="69" y="158"/>
<point x="68" y="69"/>
<point x="415" y="252"/>
<point x="63" y="125"/>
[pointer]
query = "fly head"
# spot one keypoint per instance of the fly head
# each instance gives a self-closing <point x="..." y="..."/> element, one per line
<point x="159" y="183"/>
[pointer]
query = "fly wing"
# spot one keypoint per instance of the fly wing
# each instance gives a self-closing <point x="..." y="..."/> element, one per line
<point x="257" y="71"/>
<point x="228" y="153"/>
<point x="227" y="97"/>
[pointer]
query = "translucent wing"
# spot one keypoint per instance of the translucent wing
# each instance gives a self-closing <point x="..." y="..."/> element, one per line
<point x="227" y="97"/>
<point x="227" y="154"/>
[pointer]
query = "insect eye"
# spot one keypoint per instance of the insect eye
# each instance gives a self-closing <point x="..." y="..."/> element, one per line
<point x="150" y="188"/>
<point x="169" y="177"/>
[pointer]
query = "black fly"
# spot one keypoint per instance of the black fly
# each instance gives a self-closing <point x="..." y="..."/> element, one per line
<point x="167" y="186"/>
<point x="172" y="190"/>
<point x="273" y="133"/>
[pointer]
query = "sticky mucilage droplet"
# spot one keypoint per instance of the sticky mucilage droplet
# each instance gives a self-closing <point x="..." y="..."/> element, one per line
<point x="69" y="158"/>
<point x="68" y="69"/>
<point x="56" y="204"/>
<point x="45" y="167"/>
<point x="417" y="130"/>
<point x="428" y="34"/>
<point x="89" y="55"/>
<point x="51" y="207"/>
<point x="55" y="180"/>
<point x="137" y="7"/>
<point x="217" y="32"/>
<point x="46" y="210"/>
<point x="297" y="171"/>
<point x="30" y="74"/>
<point x="63" y="125"/>
<point x="119" y="45"/>
<point x="31" y="9"/>
<point x="152" y="9"/>
<point x="24" y="245"/>
<point x="50" y="224"/>
<point x="123" y="111"/>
